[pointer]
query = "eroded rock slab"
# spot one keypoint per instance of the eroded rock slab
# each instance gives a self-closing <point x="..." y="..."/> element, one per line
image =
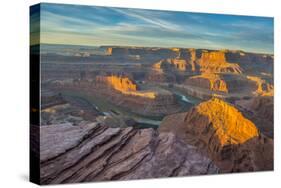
<point x="101" y="153"/>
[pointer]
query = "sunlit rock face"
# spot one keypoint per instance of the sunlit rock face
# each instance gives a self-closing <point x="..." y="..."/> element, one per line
<point x="224" y="120"/>
<point x="208" y="81"/>
<point x="121" y="83"/>
<point x="220" y="130"/>
<point x="125" y="86"/>
<point x="215" y="62"/>
<point x="263" y="88"/>
<point x="109" y="51"/>
<point x="230" y="125"/>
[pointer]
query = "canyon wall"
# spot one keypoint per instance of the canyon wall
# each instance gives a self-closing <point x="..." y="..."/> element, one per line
<point x="215" y="62"/>
<point x="154" y="102"/>
<point x="211" y="82"/>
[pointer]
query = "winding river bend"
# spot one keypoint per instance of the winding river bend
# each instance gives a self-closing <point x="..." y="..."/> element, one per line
<point x="106" y="108"/>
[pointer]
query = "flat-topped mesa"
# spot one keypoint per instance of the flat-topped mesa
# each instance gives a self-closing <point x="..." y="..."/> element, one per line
<point x="215" y="61"/>
<point x="125" y="86"/>
<point x="210" y="81"/>
<point x="263" y="88"/>
<point x="141" y="52"/>
<point x="217" y="57"/>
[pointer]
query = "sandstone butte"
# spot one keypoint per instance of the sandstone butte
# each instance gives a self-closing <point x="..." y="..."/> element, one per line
<point x="209" y="81"/>
<point x="215" y="61"/>
<point x="230" y="125"/>
<point x="219" y="130"/>
<point x="263" y="88"/>
<point x="210" y="61"/>
<point x="125" y="86"/>
<point x="216" y="118"/>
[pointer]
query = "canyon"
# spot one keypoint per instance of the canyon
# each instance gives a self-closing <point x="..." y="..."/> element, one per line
<point x="126" y="112"/>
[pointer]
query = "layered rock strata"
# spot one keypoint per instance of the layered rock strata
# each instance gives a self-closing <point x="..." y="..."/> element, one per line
<point x="211" y="82"/>
<point x="124" y="85"/>
<point x="99" y="153"/>
<point x="215" y="62"/>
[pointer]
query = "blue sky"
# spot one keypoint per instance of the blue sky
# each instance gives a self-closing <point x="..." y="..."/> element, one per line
<point x="90" y="25"/>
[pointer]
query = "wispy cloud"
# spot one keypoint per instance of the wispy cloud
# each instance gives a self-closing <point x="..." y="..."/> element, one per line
<point x="72" y="24"/>
<point x="148" y="17"/>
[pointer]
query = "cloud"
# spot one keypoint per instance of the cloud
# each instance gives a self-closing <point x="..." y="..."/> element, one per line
<point x="149" y="18"/>
<point x="118" y="26"/>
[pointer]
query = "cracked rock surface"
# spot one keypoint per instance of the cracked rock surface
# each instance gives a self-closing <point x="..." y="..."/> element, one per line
<point x="91" y="152"/>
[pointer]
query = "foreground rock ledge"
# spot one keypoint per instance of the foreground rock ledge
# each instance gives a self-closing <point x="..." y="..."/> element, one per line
<point x="96" y="153"/>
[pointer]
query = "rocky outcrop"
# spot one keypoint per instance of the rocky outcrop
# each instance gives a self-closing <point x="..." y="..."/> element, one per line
<point x="118" y="82"/>
<point x="157" y="75"/>
<point x="98" y="153"/>
<point x="170" y="64"/>
<point x="210" y="81"/>
<point x="124" y="85"/>
<point x="224" y="134"/>
<point x="215" y="62"/>
<point x="263" y="88"/>
<point x="260" y="110"/>
<point x="179" y="64"/>
<point x="49" y="98"/>
<point x="174" y="64"/>
<point x="145" y="53"/>
<point x="252" y="63"/>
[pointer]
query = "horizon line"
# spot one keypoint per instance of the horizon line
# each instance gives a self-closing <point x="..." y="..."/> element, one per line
<point x="217" y="49"/>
